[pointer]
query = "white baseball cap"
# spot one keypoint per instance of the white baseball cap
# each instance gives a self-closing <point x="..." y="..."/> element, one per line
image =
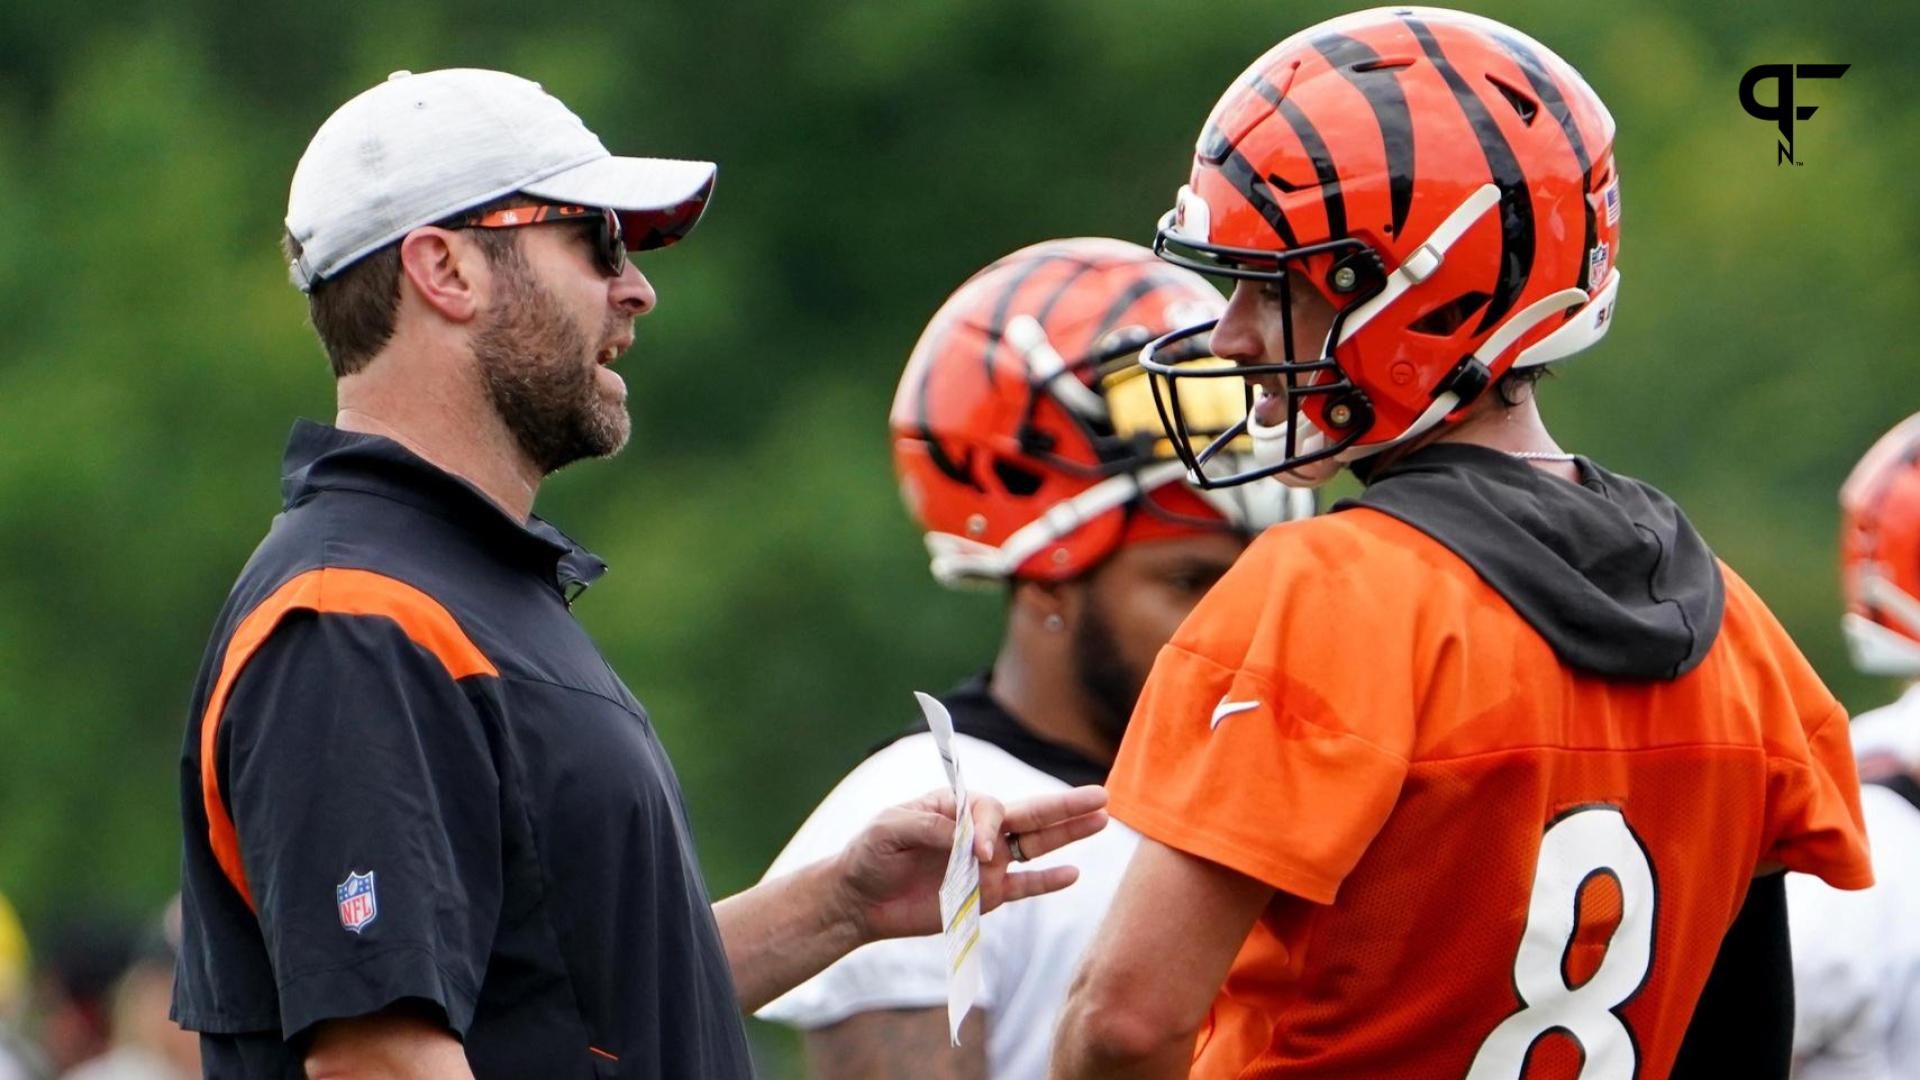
<point x="417" y="149"/>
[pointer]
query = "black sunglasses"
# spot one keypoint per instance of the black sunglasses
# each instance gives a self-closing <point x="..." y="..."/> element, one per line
<point x="609" y="246"/>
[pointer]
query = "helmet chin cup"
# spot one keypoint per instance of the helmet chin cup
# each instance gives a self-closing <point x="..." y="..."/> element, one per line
<point x="1270" y="442"/>
<point x="1254" y="507"/>
<point x="1270" y="450"/>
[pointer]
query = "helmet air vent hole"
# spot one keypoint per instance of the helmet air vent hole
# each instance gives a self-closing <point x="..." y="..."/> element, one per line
<point x="1523" y="103"/>
<point x="1016" y="480"/>
<point x="1382" y="64"/>
<point x="1445" y="319"/>
<point x="1289" y="186"/>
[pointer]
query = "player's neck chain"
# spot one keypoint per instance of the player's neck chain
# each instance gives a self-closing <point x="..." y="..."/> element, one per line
<point x="1540" y="455"/>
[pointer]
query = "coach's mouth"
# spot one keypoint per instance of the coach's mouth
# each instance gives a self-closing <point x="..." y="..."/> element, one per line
<point x="612" y="351"/>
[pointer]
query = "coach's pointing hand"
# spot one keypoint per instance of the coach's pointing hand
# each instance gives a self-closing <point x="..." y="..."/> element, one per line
<point x="890" y="874"/>
<point x="886" y="884"/>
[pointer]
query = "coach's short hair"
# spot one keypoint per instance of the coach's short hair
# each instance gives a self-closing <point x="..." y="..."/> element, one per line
<point x="353" y="311"/>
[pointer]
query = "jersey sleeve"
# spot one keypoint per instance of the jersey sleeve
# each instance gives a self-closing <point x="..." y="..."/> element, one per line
<point x="359" y="779"/>
<point x="1812" y="822"/>
<point x="1814" y="803"/>
<point x="1260" y="742"/>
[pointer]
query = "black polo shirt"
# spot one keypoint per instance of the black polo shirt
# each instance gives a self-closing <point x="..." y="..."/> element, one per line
<point x="410" y="776"/>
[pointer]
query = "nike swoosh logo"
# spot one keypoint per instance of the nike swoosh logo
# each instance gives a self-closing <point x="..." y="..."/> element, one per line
<point x="1228" y="708"/>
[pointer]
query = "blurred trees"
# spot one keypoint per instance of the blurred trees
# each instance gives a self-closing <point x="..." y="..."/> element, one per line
<point x="769" y="601"/>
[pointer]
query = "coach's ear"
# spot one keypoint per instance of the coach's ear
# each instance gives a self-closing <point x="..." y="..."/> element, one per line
<point x="445" y="270"/>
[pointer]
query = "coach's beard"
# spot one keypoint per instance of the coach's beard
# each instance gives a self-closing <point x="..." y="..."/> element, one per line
<point x="542" y="376"/>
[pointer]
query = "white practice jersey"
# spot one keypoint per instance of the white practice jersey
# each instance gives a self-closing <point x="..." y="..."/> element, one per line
<point x="1856" y="955"/>
<point x="1029" y="949"/>
<point x="1889" y="735"/>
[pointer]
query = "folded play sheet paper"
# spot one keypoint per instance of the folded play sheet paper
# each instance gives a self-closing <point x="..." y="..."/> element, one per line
<point x="960" y="889"/>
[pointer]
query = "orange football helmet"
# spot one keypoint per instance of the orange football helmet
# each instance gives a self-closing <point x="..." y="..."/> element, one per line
<point x="1880" y="555"/>
<point x="1026" y="442"/>
<point x="1445" y="181"/>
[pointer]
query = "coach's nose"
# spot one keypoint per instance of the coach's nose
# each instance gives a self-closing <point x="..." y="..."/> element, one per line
<point x="631" y="292"/>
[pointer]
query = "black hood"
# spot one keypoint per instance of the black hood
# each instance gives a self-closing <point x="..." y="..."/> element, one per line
<point x="1609" y="571"/>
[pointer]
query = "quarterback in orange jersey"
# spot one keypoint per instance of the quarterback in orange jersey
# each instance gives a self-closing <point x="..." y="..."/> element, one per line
<point x="1490" y="773"/>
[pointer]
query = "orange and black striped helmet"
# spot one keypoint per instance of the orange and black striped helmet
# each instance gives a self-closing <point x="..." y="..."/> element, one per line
<point x="1445" y="181"/>
<point x="1880" y="555"/>
<point x="1025" y="438"/>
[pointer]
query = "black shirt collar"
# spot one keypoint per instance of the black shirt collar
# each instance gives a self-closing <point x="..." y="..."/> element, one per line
<point x="324" y="458"/>
<point x="976" y="713"/>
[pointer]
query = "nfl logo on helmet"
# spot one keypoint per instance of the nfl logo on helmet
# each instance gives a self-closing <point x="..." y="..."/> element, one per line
<point x="357" y="903"/>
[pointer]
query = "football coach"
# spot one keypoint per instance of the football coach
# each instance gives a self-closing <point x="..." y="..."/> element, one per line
<point x="428" y="831"/>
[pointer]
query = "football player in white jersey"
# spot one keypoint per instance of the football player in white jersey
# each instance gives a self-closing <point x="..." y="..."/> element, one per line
<point x="1856" y="955"/>
<point x="1029" y="450"/>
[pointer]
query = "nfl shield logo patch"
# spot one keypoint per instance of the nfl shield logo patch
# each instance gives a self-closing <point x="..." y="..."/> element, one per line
<point x="358" y="906"/>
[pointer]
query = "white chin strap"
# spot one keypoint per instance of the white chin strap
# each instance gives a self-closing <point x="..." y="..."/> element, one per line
<point x="1877" y="649"/>
<point x="1587" y="326"/>
<point x="1048" y="368"/>
<point x="1586" y="330"/>
<point x="1424" y="260"/>
<point x="959" y="562"/>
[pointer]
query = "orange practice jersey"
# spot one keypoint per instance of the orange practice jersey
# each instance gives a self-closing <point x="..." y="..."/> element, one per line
<point x="1509" y="866"/>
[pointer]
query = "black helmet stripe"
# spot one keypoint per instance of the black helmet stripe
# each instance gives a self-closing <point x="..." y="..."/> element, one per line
<point x="1381" y="87"/>
<point x="1549" y="93"/>
<point x="1330" y="194"/>
<point x="1060" y="291"/>
<point x="1131" y="295"/>
<point x="1516" y="203"/>
<point x="960" y="472"/>
<point x="1239" y="172"/>
<point x="1316" y="148"/>
<point x="996" y="330"/>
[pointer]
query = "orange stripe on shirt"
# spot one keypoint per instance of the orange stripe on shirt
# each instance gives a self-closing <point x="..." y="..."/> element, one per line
<point x="335" y="591"/>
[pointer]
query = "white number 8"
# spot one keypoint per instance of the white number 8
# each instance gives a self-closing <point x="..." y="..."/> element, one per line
<point x="1589" y="841"/>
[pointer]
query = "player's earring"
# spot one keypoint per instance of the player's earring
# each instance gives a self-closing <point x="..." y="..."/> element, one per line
<point x="1054" y="623"/>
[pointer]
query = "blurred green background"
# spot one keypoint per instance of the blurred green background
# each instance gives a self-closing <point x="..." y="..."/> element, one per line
<point x="769" y="601"/>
